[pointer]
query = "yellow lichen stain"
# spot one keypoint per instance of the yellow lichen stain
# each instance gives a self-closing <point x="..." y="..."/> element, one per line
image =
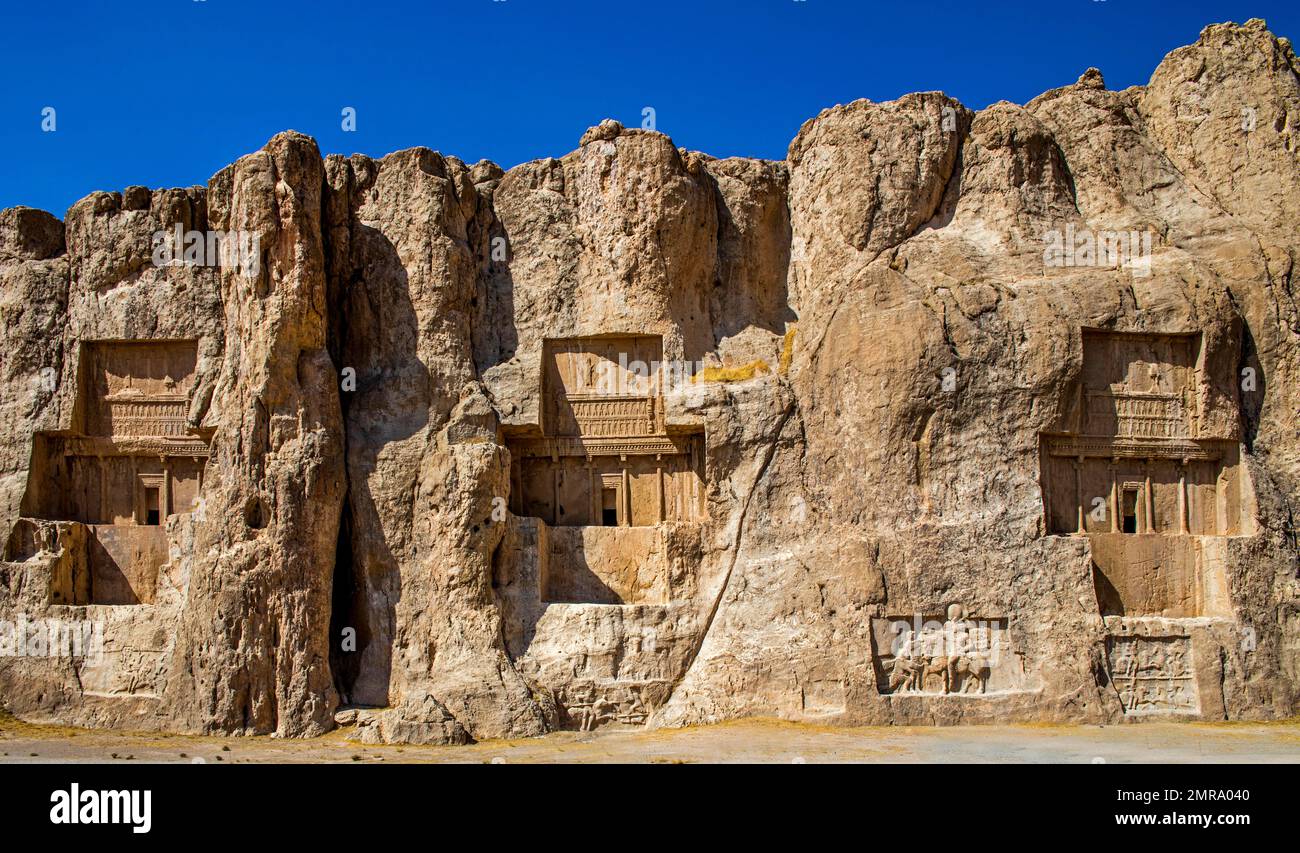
<point x="787" y="351"/>
<point x="732" y="374"/>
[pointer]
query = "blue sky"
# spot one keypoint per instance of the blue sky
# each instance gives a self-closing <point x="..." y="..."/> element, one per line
<point x="166" y="92"/>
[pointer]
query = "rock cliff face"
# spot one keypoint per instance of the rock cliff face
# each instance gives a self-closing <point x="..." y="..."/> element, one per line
<point x="951" y="416"/>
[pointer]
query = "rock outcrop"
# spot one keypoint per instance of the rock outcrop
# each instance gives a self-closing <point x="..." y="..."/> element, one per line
<point x="951" y="416"/>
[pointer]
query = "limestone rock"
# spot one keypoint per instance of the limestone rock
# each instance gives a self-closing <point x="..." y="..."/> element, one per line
<point x="950" y="416"/>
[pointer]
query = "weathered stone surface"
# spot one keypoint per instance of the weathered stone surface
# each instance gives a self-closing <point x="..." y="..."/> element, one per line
<point x="267" y="527"/>
<point x="922" y="467"/>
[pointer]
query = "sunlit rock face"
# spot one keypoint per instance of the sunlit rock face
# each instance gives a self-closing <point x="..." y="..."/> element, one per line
<point x="951" y="416"/>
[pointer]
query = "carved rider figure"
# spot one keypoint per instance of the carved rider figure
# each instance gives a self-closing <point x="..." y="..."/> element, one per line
<point x="964" y="666"/>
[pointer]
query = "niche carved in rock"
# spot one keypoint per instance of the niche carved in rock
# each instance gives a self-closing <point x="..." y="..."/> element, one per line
<point x="128" y="461"/>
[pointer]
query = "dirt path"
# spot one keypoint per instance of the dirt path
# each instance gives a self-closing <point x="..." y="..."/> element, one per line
<point x="746" y="741"/>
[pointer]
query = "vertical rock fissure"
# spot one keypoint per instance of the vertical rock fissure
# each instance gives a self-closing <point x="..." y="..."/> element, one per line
<point x="768" y="455"/>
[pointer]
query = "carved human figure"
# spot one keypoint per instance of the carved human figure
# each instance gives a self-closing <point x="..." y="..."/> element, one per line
<point x="1143" y="700"/>
<point x="580" y="707"/>
<point x="1154" y="661"/>
<point x="1124" y="664"/>
<point x="1128" y="695"/>
<point x="907" y="648"/>
<point x="906" y="667"/>
<point x="602" y="711"/>
<point x="635" y="713"/>
<point x="1176" y="661"/>
<point x="905" y="674"/>
<point x="1153" y="379"/>
<point x="964" y="667"/>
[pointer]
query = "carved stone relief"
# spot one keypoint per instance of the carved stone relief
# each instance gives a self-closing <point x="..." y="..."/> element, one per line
<point x="1153" y="675"/>
<point x="958" y="655"/>
<point x="590" y="705"/>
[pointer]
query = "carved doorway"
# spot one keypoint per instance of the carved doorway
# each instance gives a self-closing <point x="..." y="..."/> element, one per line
<point x="1128" y="510"/>
<point x="609" y="507"/>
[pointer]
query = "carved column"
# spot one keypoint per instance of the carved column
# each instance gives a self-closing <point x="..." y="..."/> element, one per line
<point x="136" y="496"/>
<point x="1182" y="497"/>
<point x="1150" y="503"/>
<point x="627" y="494"/>
<point x="1078" y="495"/>
<point x="1045" y="490"/>
<point x="165" y="492"/>
<point x="1221" y="523"/>
<point x="1114" y="496"/>
<point x="659" y="490"/>
<point x="594" y="505"/>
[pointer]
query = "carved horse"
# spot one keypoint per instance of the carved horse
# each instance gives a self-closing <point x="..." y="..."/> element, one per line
<point x="970" y="672"/>
<point x="935" y="667"/>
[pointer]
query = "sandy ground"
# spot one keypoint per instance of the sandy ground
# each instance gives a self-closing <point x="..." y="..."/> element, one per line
<point x="750" y="741"/>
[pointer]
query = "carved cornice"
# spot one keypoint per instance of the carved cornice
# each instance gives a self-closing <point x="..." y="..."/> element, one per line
<point x="193" y="447"/>
<point x="601" y="446"/>
<point x="1112" y="448"/>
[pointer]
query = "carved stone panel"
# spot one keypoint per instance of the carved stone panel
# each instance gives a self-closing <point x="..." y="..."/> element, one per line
<point x="956" y="655"/>
<point x="137" y="388"/>
<point x="1139" y="385"/>
<point x="1153" y="675"/>
<point x="590" y="705"/>
<point x="601" y="386"/>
